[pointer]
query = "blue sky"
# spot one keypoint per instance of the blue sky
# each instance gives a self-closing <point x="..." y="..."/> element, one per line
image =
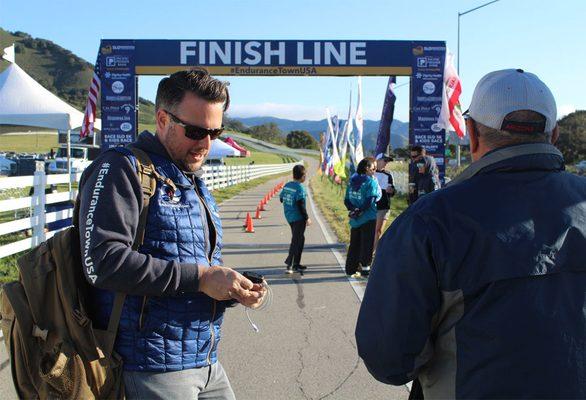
<point x="540" y="36"/>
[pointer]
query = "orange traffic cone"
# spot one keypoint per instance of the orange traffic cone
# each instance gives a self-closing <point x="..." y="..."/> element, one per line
<point x="249" y="227"/>
<point x="246" y="220"/>
<point x="262" y="205"/>
<point x="257" y="216"/>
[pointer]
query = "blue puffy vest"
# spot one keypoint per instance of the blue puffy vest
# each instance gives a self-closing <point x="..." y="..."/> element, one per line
<point x="171" y="333"/>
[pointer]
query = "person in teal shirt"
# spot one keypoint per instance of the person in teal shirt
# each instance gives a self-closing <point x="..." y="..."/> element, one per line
<point x="293" y="198"/>
<point x="362" y="193"/>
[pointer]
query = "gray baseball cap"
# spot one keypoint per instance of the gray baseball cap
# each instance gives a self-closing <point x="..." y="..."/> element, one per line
<point x="500" y="93"/>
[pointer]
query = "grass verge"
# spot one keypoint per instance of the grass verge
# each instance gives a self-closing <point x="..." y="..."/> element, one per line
<point x="329" y="198"/>
<point x="34" y="143"/>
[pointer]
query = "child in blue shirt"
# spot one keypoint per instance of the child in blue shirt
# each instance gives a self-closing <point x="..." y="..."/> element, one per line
<point x="293" y="198"/>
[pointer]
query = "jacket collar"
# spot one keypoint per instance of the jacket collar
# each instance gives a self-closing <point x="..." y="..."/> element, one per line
<point x="524" y="157"/>
<point x="149" y="142"/>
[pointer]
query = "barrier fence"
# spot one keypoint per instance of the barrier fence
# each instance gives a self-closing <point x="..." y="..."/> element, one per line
<point x="30" y="212"/>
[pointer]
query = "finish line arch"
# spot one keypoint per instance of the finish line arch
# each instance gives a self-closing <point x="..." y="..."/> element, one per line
<point x="122" y="61"/>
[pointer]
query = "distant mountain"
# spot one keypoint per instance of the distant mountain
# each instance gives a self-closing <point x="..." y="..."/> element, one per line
<point x="399" y="130"/>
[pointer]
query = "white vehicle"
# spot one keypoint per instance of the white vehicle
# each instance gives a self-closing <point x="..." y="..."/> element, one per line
<point x="81" y="157"/>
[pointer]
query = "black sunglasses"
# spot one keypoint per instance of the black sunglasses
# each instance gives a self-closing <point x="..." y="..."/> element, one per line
<point x="194" y="132"/>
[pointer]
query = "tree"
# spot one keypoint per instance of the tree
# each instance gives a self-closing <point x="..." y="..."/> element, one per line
<point x="269" y="132"/>
<point x="572" y="141"/>
<point x="234" y="125"/>
<point x="301" y="140"/>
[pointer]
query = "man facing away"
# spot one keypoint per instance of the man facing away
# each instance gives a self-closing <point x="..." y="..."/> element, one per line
<point x="478" y="289"/>
<point x="423" y="174"/>
<point x="293" y="196"/>
<point x="175" y="283"/>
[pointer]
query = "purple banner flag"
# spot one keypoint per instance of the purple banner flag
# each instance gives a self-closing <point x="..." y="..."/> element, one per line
<point x="384" y="129"/>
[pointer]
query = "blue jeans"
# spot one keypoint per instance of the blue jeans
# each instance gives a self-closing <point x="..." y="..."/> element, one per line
<point x="209" y="383"/>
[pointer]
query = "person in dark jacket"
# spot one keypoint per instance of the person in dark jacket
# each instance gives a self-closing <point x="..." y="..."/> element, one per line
<point x="177" y="287"/>
<point x="383" y="205"/>
<point x="362" y="194"/>
<point x="293" y="197"/>
<point x="478" y="289"/>
<point x="423" y="174"/>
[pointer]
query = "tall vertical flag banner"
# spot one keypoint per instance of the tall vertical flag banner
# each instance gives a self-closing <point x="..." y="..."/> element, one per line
<point x="384" y="129"/>
<point x="340" y="167"/>
<point x="451" y="118"/>
<point x="8" y="54"/>
<point x="358" y="151"/>
<point x="327" y="149"/>
<point x="87" y="127"/>
<point x="335" y="159"/>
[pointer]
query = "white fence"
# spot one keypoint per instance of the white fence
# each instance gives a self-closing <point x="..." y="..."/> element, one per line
<point x="30" y="215"/>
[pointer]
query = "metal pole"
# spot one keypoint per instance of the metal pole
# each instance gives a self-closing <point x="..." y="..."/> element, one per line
<point x="69" y="159"/>
<point x="458" y="158"/>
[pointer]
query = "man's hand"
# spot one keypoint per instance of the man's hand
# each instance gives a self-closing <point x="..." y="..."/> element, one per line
<point x="223" y="283"/>
<point x="308" y="222"/>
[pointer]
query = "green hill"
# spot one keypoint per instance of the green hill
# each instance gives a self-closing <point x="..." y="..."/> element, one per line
<point x="58" y="70"/>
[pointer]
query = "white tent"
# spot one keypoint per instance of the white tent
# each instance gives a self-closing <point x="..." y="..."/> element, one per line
<point x="23" y="101"/>
<point x="220" y="149"/>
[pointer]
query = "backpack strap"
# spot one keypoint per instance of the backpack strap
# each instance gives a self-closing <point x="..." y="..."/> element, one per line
<point x="148" y="177"/>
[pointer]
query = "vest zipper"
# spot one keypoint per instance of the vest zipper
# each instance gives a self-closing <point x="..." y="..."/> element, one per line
<point x="212" y="221"/>
<point x="212" y="330"/>
<point x="141" y="316"/>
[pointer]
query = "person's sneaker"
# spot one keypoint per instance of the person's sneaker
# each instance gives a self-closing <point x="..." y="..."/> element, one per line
<point x="356" y="275"/>
<point x="289" y="269"/>
<point x="299" y="267"/>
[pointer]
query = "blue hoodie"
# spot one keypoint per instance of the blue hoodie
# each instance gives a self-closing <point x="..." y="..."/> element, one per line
<point x="363" y="192"/>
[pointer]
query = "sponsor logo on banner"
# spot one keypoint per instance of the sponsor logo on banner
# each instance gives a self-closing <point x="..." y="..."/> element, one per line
<point x="428" y="88"/>
<point x="418" y="51"/>
<point x="127" y="108"/>
<point x="123" y="47"/>
<point x="422" y="63"/>
<point x="119" y="98"/>
<point x="117" y="75"/>
<point x="117" y="61"/>
<point x="126" y="127"/>
<point x="106" y="50"/>
<point x="117" y="87"/>
<point x="118" y="118"/>
<point x="436" y="128"/>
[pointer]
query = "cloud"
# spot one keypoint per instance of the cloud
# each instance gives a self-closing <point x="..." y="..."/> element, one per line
<point x="295" y="112"/>
<point x="565" y="109"/>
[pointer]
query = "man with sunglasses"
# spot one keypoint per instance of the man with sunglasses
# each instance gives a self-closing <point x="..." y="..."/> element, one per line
<point x="423" y="174"/>
<point x="177" y="289"/>
<point x="478" y="290"/>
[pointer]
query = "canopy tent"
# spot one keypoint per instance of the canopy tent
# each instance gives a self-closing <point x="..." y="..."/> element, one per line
<point x="220" y="149"/>
<point x="242" y="150"/>
<point x="23" y="101"/>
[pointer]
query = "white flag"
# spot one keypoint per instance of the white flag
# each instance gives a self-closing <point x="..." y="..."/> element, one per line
<point x="358" y="151"/>
<point x="346" y="131"/>
<point x="335" y="133"/>
<point x="450" y="117"/>
<point x="9" y="54"/>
